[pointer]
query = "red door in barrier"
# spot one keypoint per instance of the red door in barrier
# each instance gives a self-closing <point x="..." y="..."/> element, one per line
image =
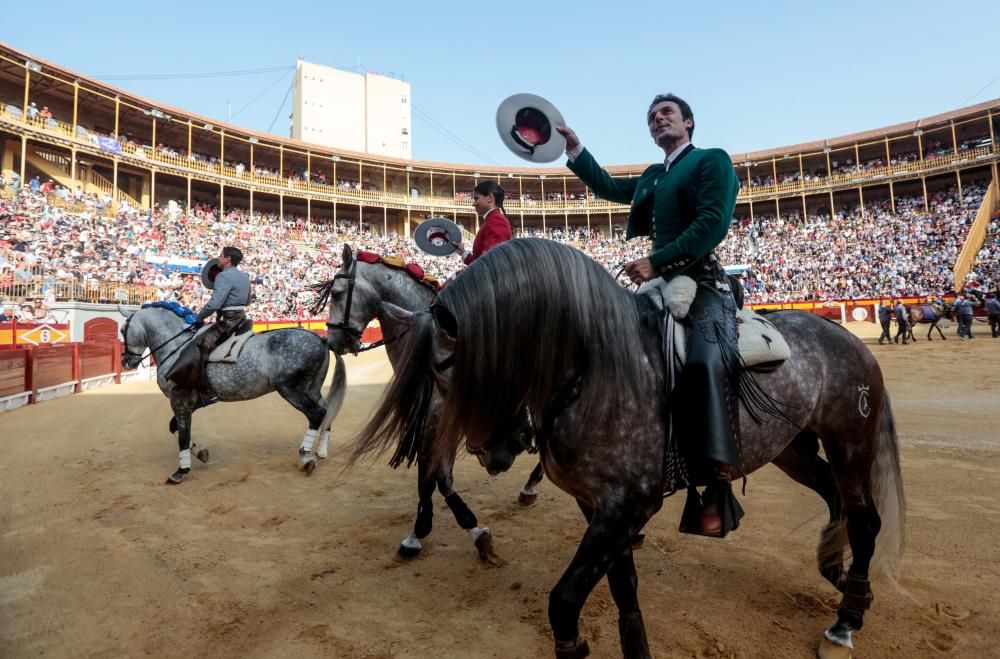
<point x="100" y="329"/>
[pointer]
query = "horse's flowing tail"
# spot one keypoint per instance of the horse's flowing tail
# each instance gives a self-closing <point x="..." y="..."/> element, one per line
<point x="887" y="489"/>
<point x="334" y="398"/>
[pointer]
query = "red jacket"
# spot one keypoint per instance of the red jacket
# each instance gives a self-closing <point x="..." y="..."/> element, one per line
<point x="492" y="232"/>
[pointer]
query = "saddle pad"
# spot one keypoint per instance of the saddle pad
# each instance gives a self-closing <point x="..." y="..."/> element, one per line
<point x="929" y="313"/>
<point x="228" y="351"/>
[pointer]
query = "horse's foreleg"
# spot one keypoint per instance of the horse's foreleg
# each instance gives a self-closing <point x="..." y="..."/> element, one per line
<point x="604" y="543"/>
<point x="411" y="546"/>
<point x="182" y="413"/>
<point x="528" y="495"/>
<point x="935" y="327"/>
<point x="481" y="536"/>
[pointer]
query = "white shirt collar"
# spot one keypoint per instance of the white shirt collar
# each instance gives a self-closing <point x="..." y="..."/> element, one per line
<point x="488" y="212"/>
<point x="673" y="155"/>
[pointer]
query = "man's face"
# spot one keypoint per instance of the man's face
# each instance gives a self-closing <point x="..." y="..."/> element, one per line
<point x="224" y="261"/>
<point x="666" y="125"/>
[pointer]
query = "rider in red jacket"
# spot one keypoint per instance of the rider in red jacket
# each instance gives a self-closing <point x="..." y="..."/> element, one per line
<point x="487" y="199"/>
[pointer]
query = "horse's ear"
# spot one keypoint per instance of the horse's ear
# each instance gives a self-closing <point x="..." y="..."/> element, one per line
<point x="346" y="256"/>
<point x="446" y="322"/>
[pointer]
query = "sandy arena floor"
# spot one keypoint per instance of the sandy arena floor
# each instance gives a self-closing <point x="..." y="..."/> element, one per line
<point x="249" y="558"/>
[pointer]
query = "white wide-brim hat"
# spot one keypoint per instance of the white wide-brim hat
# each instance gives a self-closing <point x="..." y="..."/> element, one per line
<point x="527" y="126"/>
<point x="437" y="235"/>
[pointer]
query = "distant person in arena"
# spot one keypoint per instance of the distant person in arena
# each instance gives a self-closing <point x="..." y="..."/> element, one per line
<point x="685" y="205"/>
<point x="494" y="227"/>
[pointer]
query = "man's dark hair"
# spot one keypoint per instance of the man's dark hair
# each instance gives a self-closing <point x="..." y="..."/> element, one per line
<point x="493" y="188"/>
<point x="686" y="112"/>
<point x="234" y="254"/>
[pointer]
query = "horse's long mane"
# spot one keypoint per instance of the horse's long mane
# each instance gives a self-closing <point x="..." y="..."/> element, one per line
<point x="531" y="314"/>
<point x="402" y="411"/>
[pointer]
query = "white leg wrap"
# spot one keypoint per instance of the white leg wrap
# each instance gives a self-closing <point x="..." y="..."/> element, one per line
<point x="307" y="441"/>
<point x="185" y="459"/>
<point x="474" y="533"/>
<point x="528" y="491"/>
<point x="324" y="443"/>
<point x="411" y="542"/>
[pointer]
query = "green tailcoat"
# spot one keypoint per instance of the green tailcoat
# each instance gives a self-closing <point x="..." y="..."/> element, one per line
<point x="686" y="211"/>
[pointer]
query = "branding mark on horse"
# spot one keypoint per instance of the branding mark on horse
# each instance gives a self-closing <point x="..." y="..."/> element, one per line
<point x="864" y="406"/>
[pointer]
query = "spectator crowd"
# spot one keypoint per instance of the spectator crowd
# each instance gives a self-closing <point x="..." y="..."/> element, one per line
<point x="848" y="255"/>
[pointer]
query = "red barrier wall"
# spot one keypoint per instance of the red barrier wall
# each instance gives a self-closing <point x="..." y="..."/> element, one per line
<point x="52" y="365"/>
<point x="13" y="371"/>
<point x="97" y="358"/>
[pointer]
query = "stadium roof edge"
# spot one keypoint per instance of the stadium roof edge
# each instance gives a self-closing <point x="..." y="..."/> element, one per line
<point x="833" y="143"/>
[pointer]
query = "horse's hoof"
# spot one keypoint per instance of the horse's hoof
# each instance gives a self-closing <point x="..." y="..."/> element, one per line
<point x="526" y="499"/>
<point x="202" y="454"/>
<point x="638" y="539"/>
<point x="177" y="477"/>
<point x="579" y="649"/>
<point x="408" y="553"/>
<point x="309" y="466"/>
<point x="484" y="545"/>
<point x="831" y="650"/>
<point x="409" y="548"/>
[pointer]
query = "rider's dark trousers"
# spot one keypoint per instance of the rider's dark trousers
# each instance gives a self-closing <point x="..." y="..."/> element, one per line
<point x="994" y="324"/>
<point x="708" y="384"/>
<point x="901" y="329"/>
<point x="885" y="332"/>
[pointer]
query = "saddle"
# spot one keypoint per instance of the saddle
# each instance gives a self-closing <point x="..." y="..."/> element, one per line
<point x="228" y="350"/>
<point x="761" y="345"/>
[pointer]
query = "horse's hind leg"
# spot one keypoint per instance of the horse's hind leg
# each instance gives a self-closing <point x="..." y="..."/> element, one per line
<point x="528" y="495"/>
<point x="801" y="462"/>
<point x="314" y="413"/>
<point x="410" y="546"/>
<point x="853" y="474"/>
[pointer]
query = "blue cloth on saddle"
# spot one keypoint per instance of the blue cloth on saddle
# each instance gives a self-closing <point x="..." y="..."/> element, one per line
<point x="177" y="308"/>
<point x="929" y="313"/>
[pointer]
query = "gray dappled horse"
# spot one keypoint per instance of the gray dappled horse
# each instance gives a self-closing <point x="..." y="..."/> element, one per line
<point x="292" y="361"/>
<point x="916" y="315"/>
<point x="536" y="323"/>
<point x="355" y="296"/>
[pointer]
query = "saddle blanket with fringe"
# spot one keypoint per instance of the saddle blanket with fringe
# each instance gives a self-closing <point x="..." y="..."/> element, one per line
<point x="760" y="342"/>
<point x="229" y="350"/>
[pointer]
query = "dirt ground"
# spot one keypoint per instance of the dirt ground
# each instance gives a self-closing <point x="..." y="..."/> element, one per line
<point x="249" y="558"/>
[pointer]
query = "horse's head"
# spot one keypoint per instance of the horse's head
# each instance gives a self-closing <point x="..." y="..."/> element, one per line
<point x="351" y="301"/>
<point x="512" y="436"/>
<point x="134" y="342"/>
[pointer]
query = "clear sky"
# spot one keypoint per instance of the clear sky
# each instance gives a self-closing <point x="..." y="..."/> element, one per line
<point x="758" y="75"/>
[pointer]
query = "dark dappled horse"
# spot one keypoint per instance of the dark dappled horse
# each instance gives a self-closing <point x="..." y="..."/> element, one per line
<point x="540" y="324"/>
<point x="928" y="314"/>
<point x="355" y="294"/>
<point x="293" y="362"/>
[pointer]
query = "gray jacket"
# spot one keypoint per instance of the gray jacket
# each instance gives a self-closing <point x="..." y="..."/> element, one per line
<point x="232" y="288"/>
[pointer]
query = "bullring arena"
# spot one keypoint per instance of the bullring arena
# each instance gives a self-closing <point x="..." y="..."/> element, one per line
<point x="251" y="558"/>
